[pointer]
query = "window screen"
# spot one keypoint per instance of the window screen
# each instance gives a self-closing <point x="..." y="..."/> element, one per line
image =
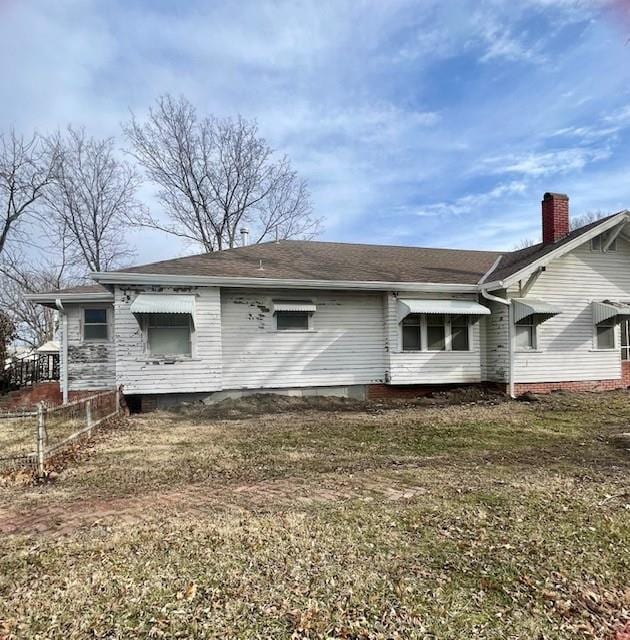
<point x="525" y="335"/>
<point x="95" y="324"/>
<point x="606" y="335"/>
<point x="168" y="334"/>
<point x="459" y="333"/>
<point x="292" y="320"/>
<point x="436" y="332"/>
<point x="411" y="333"/>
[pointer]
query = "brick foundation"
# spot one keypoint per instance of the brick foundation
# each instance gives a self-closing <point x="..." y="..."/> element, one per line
<point x="577" y="385"/>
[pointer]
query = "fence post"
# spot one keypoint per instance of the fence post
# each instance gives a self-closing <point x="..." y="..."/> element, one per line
<point x="117" y="400"/>
<point x="88" y="416"/>
<point x="41" y="438"/>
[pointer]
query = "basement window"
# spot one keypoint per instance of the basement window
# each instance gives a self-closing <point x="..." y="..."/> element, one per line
<point x="95" y="326"/>
<point x="169" y="334"/>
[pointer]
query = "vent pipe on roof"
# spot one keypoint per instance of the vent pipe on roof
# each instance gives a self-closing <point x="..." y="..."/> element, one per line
<point x="244" y="236"/>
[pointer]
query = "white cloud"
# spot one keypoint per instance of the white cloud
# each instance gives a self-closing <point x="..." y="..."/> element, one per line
<point x="545" y="163"/>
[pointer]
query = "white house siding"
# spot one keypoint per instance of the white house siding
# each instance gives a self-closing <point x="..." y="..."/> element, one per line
<point x="345" y="346"/>
<point x="495" y="358"/>
<point x="139" y="373"/>
<point x="566" y="349"/>
<point x="430" y="367"/>
<point x="91" y="365"/>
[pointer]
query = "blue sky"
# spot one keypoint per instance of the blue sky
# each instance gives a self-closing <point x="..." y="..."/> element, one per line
<point x="419" y="123"/>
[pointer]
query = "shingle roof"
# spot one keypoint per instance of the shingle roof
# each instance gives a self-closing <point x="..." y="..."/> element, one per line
<point x="335" y="261"/>
<point x="310" y="260"/>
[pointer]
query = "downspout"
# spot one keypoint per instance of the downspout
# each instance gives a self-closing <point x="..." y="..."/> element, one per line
<point x="64" y="349"/>
<point x="489" y="296"/>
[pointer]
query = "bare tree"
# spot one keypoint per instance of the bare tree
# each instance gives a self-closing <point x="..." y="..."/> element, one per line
<point x="7" y="335"/>
<point x="34" y="324"/>
<point x="26" y="169"/>
<point x="587" y="218"/>
<point x="216" y="175"/>
<point x="91" y="198"/>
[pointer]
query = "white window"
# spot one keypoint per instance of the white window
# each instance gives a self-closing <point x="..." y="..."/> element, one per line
<point x="596" y="243"/>
<point x="412" y="332"/>
<point x="292" y="320"/>
<point x="435" y="332"/>
<point x="606" y="334"/>
<point x="625" y="340"/>
<point x="525" y="334"/>
<point x="169" y="334"/>
<point x="460" y="333"/>
<point x="95" y="325"/>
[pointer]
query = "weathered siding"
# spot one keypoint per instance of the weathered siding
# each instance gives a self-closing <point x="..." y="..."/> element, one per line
<point x="91" y="365"/>
<point x="495" y="342"/>
<point x="345" y="346"/>
<point x="430" y="367"/>
<point x="141" y="373"/>
<point x="566" y="348"/>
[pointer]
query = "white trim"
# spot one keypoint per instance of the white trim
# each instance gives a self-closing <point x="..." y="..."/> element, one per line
<point x="51" y="298"/>
<point x="278" y="283"/>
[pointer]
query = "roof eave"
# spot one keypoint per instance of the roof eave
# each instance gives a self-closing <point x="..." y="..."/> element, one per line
<point x="50" y="299"/>
<point x="121" y="278"/>
<point x="543" y="261"/>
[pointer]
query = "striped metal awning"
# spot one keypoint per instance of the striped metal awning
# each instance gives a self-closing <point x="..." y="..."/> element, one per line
<point x="526" y="307"/>
<point x="294" y="305"/>
<point x="452" y="307"/>
<point x="163" y="303"/>
<point x="608" y="309"/>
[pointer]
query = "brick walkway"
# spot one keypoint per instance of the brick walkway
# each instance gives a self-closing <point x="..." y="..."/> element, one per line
<point x="64" y="518"/>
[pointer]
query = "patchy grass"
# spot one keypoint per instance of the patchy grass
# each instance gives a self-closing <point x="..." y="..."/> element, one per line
<point x="518" y="526"/>
<point x="17" y="435"/>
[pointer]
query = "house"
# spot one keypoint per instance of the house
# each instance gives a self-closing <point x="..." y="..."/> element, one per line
<point x="358" y="320"/>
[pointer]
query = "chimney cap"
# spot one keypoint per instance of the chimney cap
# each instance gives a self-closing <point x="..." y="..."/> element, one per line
<point x="549" y="195"/>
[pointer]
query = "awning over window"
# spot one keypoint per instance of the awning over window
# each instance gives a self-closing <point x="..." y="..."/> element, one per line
<point x="294" y="305"/>
<point x="454" y="307"/>
<point x="526" y="307"/>
<point x="163" y="303"/>
<point x="608" y="309"/>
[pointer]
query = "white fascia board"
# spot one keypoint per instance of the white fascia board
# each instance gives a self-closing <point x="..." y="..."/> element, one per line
<point x="275" y="283"/>
<point x="50" y="298"/>
<point x="557" y="253"/>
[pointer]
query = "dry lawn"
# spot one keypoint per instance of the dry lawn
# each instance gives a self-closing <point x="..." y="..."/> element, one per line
<point x="480" y="520"/>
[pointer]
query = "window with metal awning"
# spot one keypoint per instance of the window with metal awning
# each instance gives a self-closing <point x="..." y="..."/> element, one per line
<point x="526" y="309"/>
<point x="608" y="310"/>
<point x="407" y="306"/>
<point x="305" y="306"/>
<point x="437" y="325"/>
<point x="163" y="303"/>
<point x="167" y="321"/>
<point x="293" y="315"/>
<point x="528" y="313"/>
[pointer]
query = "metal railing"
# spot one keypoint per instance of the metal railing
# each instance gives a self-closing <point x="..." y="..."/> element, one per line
<point x="29" y="370"/>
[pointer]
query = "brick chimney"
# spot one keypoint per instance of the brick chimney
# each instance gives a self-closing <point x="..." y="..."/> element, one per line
<point x="555" y="217"/>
